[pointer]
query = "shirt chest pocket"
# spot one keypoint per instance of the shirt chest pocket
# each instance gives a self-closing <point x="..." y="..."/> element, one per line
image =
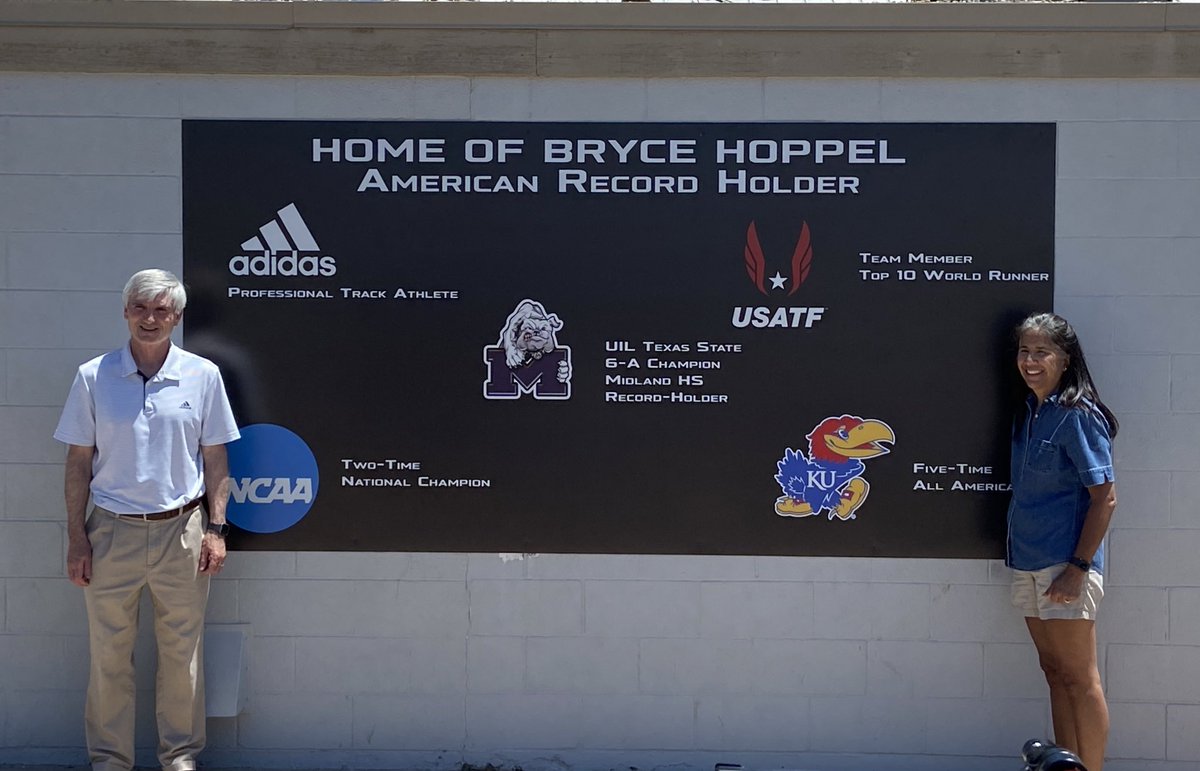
<point x="1044" y="457"/>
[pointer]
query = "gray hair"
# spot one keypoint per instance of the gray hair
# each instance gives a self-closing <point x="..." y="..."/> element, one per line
<point x="154" y="283"/>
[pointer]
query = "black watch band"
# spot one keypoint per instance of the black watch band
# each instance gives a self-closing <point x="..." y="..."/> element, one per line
<point x="221" y="529"/>
<point x="1080" y="563"/>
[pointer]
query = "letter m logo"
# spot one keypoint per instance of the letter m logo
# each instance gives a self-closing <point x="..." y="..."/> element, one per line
<point x="538" y="377"/>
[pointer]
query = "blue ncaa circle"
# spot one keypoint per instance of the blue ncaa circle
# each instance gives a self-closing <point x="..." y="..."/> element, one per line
<point x="274" y="479"/>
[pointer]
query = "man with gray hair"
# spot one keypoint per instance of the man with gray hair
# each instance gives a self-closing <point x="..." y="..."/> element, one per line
<point x="145" y="428"/>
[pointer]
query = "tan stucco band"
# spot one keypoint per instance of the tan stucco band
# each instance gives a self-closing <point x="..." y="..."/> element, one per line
<point x="1108" y="40"/>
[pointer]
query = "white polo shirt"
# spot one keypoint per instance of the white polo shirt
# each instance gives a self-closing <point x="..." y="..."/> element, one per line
<point x="147" y="434"/>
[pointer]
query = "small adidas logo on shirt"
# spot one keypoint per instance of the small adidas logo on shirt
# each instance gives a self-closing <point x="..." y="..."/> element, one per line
<point x="185" y="406"/>
<point x="285" y="247"/>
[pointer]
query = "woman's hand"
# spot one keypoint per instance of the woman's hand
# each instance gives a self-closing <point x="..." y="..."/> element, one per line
<point x="1067" y="586"/>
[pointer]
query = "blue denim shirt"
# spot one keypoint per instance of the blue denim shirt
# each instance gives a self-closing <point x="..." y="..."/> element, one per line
<point x="1057" y="453"/>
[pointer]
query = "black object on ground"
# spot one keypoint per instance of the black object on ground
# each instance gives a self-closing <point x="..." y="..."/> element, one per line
<point x="1048" y="756"/>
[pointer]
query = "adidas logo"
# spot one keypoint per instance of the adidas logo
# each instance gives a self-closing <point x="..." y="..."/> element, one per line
<point x="285" y="247"/>
<point x="185" y="406"/>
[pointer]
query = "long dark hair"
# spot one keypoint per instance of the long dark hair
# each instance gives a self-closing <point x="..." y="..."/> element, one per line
<point x="1076" y="389"/>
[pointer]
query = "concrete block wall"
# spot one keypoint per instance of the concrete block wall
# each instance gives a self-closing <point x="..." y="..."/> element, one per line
<point x="432" y="660"/>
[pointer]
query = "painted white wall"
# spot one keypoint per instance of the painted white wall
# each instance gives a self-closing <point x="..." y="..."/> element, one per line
<point x="430" y="660"/>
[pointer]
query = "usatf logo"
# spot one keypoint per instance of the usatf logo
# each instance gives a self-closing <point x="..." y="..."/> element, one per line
<point x="756" y="262"/>
<point x="830" y="477"/>
<point x="528" y="358"/>
<point x="274" y="479"/>
<point x="283" y="247"/>
<point x="798" y="268"/>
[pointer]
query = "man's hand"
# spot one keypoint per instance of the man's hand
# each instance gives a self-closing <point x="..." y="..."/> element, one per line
<point x="79" y="547"/>
<point x="216" y="485"/>
<point x="1067" y="586"/>
<point x="79" y="561"/>
<point x="212" y="554"/>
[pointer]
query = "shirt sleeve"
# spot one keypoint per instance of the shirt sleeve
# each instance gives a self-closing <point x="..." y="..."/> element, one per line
<point x="1089" y="447"/>
<point x="77" y="425"/>
<point x="219" y="426"/>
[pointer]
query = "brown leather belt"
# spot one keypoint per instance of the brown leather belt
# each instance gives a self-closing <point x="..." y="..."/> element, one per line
<point x="171" y="514"/>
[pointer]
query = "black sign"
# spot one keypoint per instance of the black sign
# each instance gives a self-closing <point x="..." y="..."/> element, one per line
<point x="619" y="338"/>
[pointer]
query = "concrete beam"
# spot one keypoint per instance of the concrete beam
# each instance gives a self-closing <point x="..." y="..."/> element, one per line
<point x="955" y="40"/>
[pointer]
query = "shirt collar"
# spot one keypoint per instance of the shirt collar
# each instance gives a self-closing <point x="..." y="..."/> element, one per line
<point x="170" y="370"/>
<point x="1033" y="409"/>
<point x="128" y="365"/>
<point x="172" y="367"/>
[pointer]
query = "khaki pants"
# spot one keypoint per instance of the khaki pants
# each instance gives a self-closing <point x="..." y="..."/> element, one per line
<point x="130" y="554"/>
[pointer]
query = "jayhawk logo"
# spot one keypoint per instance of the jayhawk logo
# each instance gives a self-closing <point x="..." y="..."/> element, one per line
<point x="830" y="478"/>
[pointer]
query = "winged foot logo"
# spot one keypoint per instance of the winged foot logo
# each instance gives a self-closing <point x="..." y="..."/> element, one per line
<point x="830" y="477"/>
<point x="756" y="261"/>
<point x="791" y="317"/>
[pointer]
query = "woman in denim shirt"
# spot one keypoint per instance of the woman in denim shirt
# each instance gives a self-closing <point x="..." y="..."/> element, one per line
<point x="1063" y="498"/>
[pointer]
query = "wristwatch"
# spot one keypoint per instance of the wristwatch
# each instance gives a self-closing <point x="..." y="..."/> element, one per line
<point x="1078" y="562"/>
<point x="221" y="529"/>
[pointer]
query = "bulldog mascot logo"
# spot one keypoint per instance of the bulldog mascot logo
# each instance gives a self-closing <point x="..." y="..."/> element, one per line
<point x="528" y="359"/>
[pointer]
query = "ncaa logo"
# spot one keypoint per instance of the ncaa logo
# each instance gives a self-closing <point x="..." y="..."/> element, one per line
<point x="274" y="479"/>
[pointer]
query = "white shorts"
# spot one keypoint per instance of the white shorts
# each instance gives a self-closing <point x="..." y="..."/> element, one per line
<point x="1029" y="594"/>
